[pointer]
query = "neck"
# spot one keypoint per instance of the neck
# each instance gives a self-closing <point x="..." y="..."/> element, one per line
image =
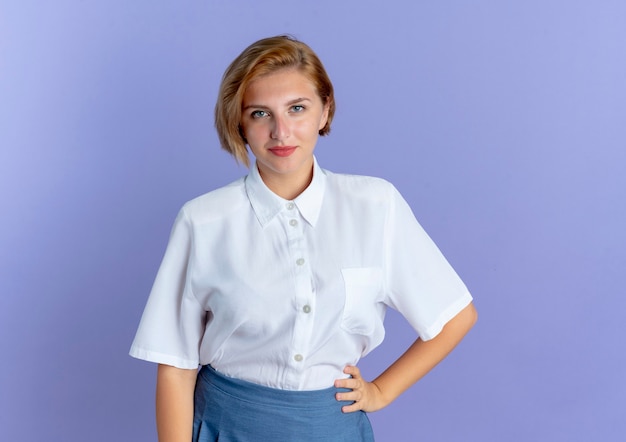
<point x="287" y="186"/>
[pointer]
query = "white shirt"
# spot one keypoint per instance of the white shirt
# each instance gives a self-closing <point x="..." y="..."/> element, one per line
<point x="287" y="293"/>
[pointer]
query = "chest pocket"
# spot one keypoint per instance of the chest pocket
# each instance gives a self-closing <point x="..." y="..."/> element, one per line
<point x="362" y="309"/>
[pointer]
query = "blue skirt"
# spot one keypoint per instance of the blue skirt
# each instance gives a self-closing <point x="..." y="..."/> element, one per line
<point x="232" y="410"/>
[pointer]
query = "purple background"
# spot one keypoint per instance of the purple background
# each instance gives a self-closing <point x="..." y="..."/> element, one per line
<point x="502" y="123"/>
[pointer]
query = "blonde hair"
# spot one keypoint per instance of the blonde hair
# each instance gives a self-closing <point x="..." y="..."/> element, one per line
<point x="261" y="58"/>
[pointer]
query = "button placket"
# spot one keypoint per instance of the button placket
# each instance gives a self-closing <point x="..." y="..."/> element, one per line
<point x="302" y="326"/>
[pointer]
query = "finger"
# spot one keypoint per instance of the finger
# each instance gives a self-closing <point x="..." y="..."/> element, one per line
<point x="355" y="395"/>
<point x="350" y="383"/>
<point x="351" y="408"/>
<point x="352" y="370"/>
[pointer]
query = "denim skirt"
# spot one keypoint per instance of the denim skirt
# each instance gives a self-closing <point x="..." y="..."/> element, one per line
<point x="232" y="410"/>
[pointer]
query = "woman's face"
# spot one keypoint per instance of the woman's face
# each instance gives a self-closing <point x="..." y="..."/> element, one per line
<point x="281" y="117"/>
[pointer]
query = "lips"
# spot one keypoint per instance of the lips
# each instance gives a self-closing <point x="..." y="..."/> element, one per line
<point x="282" y="151"/>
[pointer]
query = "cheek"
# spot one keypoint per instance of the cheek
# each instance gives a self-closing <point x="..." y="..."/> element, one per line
<point x="252" y="131"/>
<point x="306" y="129"/>
<point x="314" y="131"/>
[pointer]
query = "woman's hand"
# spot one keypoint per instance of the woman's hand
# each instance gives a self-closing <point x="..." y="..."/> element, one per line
<point x="418" y="360"/>
<point x="366" y="395"/>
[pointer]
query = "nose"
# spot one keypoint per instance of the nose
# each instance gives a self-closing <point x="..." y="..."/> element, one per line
<point x="280" y="128"/>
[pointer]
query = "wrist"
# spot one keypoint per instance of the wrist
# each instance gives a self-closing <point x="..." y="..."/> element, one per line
<point x="382" y="399"/>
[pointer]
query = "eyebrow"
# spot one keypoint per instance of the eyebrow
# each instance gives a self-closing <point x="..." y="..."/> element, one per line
<point x="289" y="103"/>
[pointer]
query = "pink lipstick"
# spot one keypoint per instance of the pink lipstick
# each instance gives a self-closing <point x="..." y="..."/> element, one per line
<point x="282" y="151"/>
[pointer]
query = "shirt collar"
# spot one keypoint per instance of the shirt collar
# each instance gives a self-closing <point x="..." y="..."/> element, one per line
<point x="266" y="204"/>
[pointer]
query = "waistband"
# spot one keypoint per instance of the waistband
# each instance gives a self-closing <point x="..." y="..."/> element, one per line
<point x="267" y="396"/>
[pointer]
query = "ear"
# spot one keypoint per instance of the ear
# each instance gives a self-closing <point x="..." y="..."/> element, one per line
<point x="324" y="118"/>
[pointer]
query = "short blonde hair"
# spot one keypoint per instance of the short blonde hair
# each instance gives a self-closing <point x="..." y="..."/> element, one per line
<point x="261" y="58"/>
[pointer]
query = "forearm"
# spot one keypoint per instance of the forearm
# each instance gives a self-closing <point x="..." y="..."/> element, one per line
<point x="422" y="356"/>
<point x="174" y="403"/>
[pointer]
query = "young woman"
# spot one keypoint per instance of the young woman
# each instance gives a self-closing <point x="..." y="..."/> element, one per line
<point x="277" y="284"/>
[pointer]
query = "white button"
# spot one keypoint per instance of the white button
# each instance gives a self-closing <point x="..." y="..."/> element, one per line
<point x="293" y="222"/>
<point x="300" y="261"/>
<point x="298" y="358"/>
<point x="306" y="309"/>
<point x="290" y="206"/>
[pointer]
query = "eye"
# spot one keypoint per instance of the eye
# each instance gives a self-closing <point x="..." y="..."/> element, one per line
<point x="297" y="108"/>
<point x="259" y="114"/>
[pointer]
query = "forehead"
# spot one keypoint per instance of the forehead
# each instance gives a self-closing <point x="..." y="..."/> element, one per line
<point x="280" y="84"/>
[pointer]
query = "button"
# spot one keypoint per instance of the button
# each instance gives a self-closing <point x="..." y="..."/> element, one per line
<point x="306" y="309"/>
<point x="300" y="261"/>
<point x="290" y="206"/>
<point x="293" y="222"/>
<point x="298" y="358"/>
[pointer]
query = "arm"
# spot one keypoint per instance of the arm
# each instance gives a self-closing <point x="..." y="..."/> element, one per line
<point x="409" y="368"/>
<point x="174" y="403"/>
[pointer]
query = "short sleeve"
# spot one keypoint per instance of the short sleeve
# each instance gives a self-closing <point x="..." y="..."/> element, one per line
<point x="172" y="323"/>
<point x="420" y="283"/>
